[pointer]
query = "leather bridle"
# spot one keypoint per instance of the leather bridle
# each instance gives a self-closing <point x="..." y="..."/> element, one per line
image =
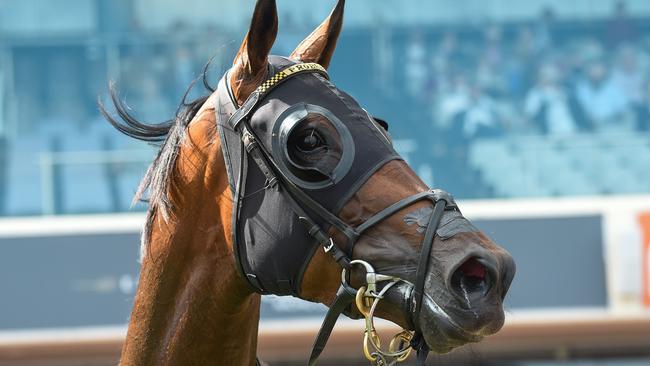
<point x="306" y="208"/>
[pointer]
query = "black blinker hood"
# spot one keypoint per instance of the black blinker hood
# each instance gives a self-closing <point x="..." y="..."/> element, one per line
<point x="273" y="248"/>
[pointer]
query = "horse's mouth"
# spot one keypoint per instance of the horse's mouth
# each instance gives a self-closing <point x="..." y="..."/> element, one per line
<point x="441" y="332"/>
<point x="440" y="329"/>
<point x="463" y="309"/>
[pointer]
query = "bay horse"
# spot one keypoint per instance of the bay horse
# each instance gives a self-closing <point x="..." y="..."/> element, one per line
<point x="253" y="179"/>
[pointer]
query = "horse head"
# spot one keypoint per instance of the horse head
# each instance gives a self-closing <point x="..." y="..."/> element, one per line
<point x="324" y="145"/>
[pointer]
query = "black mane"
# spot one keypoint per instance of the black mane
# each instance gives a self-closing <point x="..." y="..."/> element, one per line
<point x="159" y="178"/>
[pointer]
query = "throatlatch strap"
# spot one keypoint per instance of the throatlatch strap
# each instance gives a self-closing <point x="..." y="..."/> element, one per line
<point x="344" y="297"/>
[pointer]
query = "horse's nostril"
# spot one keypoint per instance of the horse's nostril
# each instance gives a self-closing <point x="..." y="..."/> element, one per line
<point x="471" y="280"/>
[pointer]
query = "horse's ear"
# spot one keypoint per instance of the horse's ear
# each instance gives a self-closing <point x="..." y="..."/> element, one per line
<point x="320" y="44"/>
<point x="250" y="65"/>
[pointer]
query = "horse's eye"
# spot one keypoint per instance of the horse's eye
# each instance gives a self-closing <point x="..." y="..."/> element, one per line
<point x="309" y="141"/>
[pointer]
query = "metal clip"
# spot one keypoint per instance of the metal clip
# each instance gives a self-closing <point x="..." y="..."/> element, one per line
<point x="329" y="247"/>
<point x="270" y="183"/>
<point x="372" y="278"/>
<point x="246" y="137"/>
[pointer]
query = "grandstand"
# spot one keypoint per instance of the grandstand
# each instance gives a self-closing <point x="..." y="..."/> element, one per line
<point x="511" y="90"/>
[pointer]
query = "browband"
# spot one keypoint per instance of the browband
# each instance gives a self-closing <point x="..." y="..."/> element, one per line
<point x="270" y="84"/>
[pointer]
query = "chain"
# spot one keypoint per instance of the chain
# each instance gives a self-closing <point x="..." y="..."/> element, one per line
<point x="366" y="300"/>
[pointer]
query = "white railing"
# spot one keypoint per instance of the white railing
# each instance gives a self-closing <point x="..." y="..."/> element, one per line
<point x="50" y="160"/>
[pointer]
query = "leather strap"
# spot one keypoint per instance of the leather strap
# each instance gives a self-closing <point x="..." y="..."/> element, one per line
<point x="344" y="297"/>
<point x="421" y="353"/>
<point x="425" y="253"/>
<point x="418" y="343"/>
<point x="252" y="147"/>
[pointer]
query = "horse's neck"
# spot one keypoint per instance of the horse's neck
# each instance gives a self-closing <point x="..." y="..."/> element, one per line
<point x="192" y="307"/>
<point x="188" y="312"/>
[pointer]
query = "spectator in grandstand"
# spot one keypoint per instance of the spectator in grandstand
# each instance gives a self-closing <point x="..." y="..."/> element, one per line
<point x="603" y="101"/>
<point x="643" y="113"/>
<point x="547" y="103"/>
<point x="620" y="27"/>
<point x="630" y="74"/>
<point x="590" y="50"/>
<point x="448" y="51"/>
<point x="416" y="74"/>
<point x="490" y="68"/>
<point x="543" y="30"/>
<point x="492" y="48"/>
<point x="480" y="117"/>
<point x="464" y="113"/>
<point x="446" y="58"/>
<point x="491" y="79"/>
<point x="520" y="63"/>
<point x="452" y="100"/>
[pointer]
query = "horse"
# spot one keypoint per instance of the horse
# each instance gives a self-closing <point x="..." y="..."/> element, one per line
<point x="279" y="182"/>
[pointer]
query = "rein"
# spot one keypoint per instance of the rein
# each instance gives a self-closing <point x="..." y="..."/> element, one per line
<point x="306" y="208"/>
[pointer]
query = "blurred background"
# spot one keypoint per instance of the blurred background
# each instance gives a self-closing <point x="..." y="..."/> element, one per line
<point x="535" y="114"/>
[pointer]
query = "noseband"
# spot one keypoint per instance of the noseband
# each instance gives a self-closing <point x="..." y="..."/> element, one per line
<point x="246" y="146"/>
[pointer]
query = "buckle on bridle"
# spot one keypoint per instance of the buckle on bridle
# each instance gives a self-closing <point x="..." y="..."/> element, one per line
<point x="329" y="247"/>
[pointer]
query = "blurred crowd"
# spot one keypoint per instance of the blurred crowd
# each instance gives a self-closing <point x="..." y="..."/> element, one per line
<point x="535" y="77"/>
<point x="543" y="77"/>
